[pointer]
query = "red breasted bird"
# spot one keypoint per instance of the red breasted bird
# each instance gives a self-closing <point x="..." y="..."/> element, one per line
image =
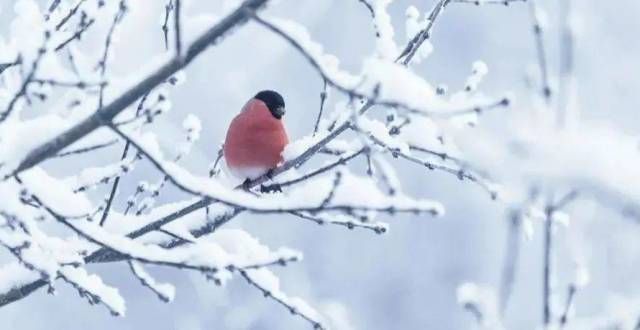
<point x="256" y="136"/>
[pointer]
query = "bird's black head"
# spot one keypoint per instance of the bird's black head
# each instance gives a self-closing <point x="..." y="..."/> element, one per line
<point x="274" y="102"/>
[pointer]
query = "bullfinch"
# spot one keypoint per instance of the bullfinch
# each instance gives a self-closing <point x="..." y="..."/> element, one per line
<point x="256" y="137"/>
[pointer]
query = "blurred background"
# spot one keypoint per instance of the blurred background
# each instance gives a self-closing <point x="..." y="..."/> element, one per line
<point x="406" y="278"/>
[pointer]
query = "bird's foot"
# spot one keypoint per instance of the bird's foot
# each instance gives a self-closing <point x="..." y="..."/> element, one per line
<point x="270" y="174"/>
<point x="246" y="185"/>
<point x="272" y="188"/>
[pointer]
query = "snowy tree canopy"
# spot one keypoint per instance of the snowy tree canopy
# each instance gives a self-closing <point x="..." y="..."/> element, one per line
<point x="75" y="126"/>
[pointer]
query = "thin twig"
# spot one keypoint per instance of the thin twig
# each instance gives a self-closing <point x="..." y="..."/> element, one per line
<point x="546" y="280"/>
<point x="567" y="307"/>
<point x="176" y="21"/>
<point x="423" y="35"/>
<point x="69" y="15"/>
<point x="116" y="182"/>
<point x="540" y="52"/>
<point x="369" y="7"/>
<point x="76" y="35"/>
<point x="567" y="53"/>
<point x="102" y="64"/>
<point x="87" y="149"/>
<point x="377" y="227"/>
<point x="25" y="83"/>
<point x="268" y="294"/>
<point x="341" y="161"/>
<point x="4" y="66"/>
<point x="323" y="98"/>
<point x="53" y="6"/>
<point x="165" y="27"/>
<point x="512" y="252"/>
<point x="460" y="173"/>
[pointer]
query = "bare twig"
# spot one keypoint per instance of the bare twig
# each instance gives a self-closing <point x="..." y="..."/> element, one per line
<point x="165" y="27"/>
<point x="540" y="51"/>
<point x="341" y="161"/>
<point x="87" y="149"/>
<point x="25" y="84"/>
<point x="546" y="279"/>
<point x="53" y="6"/>
<point x="323" y="98"/>
<point x="377" y="227"/>
<point x="510" y="264"/>
<point x="69" y="15"/>
<point x="102" y="64"/>
<point x="442" y="155"/>
<point x="69" y="84"/>
<point x="369" y="7"/>
<point x="566" y="61"/>
<point x="567" y="307"/>
<point x="84" y="26"/>
<point x="176" y="22"/>
<point x="116" y="182"/>
<point x="4" y="66"/>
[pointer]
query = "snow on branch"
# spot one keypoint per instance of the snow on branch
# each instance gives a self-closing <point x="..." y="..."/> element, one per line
<point x="269" y="285"/>
<point x="342" y="173"/>
<point x="380" y="80"/>
<point x="165" y="292"/>
<point x="108" y="112"/>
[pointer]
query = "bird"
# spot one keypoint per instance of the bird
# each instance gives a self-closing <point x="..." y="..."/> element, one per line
<point x="256" y="137"/>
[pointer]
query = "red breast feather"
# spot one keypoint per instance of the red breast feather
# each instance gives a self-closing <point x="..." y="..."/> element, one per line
<point x="255" y="139"/>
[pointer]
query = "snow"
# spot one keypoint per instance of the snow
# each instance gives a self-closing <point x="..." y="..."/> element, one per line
<point x="206" y="256"/>
<point x="13" y="275"/>
<point x="597" y="159"/>
<point x="40" y="130"/>
<point x="193" y="126"/>
<point x="413" y="25"/>
<point x="94" y="285"/>
<point x="478" y="72"/>
<point x="524" y="148"/>
<point x="328" y="62"/>
<point x="385" y="45"/>
<point x="26" y="31"/>
<point x="165" y="291"/>
<point x="269" y="282"/>
<point x="92" y="176"/>
<point x="299" y="146"/>
<point x="56" y="194"/>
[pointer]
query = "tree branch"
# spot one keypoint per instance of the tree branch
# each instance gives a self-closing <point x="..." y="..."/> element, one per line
<point x="104" y="115"/>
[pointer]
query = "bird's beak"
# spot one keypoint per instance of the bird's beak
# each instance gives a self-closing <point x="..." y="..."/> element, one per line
<point x="279" y="112"/>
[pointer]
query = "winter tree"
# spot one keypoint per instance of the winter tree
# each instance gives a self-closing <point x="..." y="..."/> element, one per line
<point x="112" y="175"/>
